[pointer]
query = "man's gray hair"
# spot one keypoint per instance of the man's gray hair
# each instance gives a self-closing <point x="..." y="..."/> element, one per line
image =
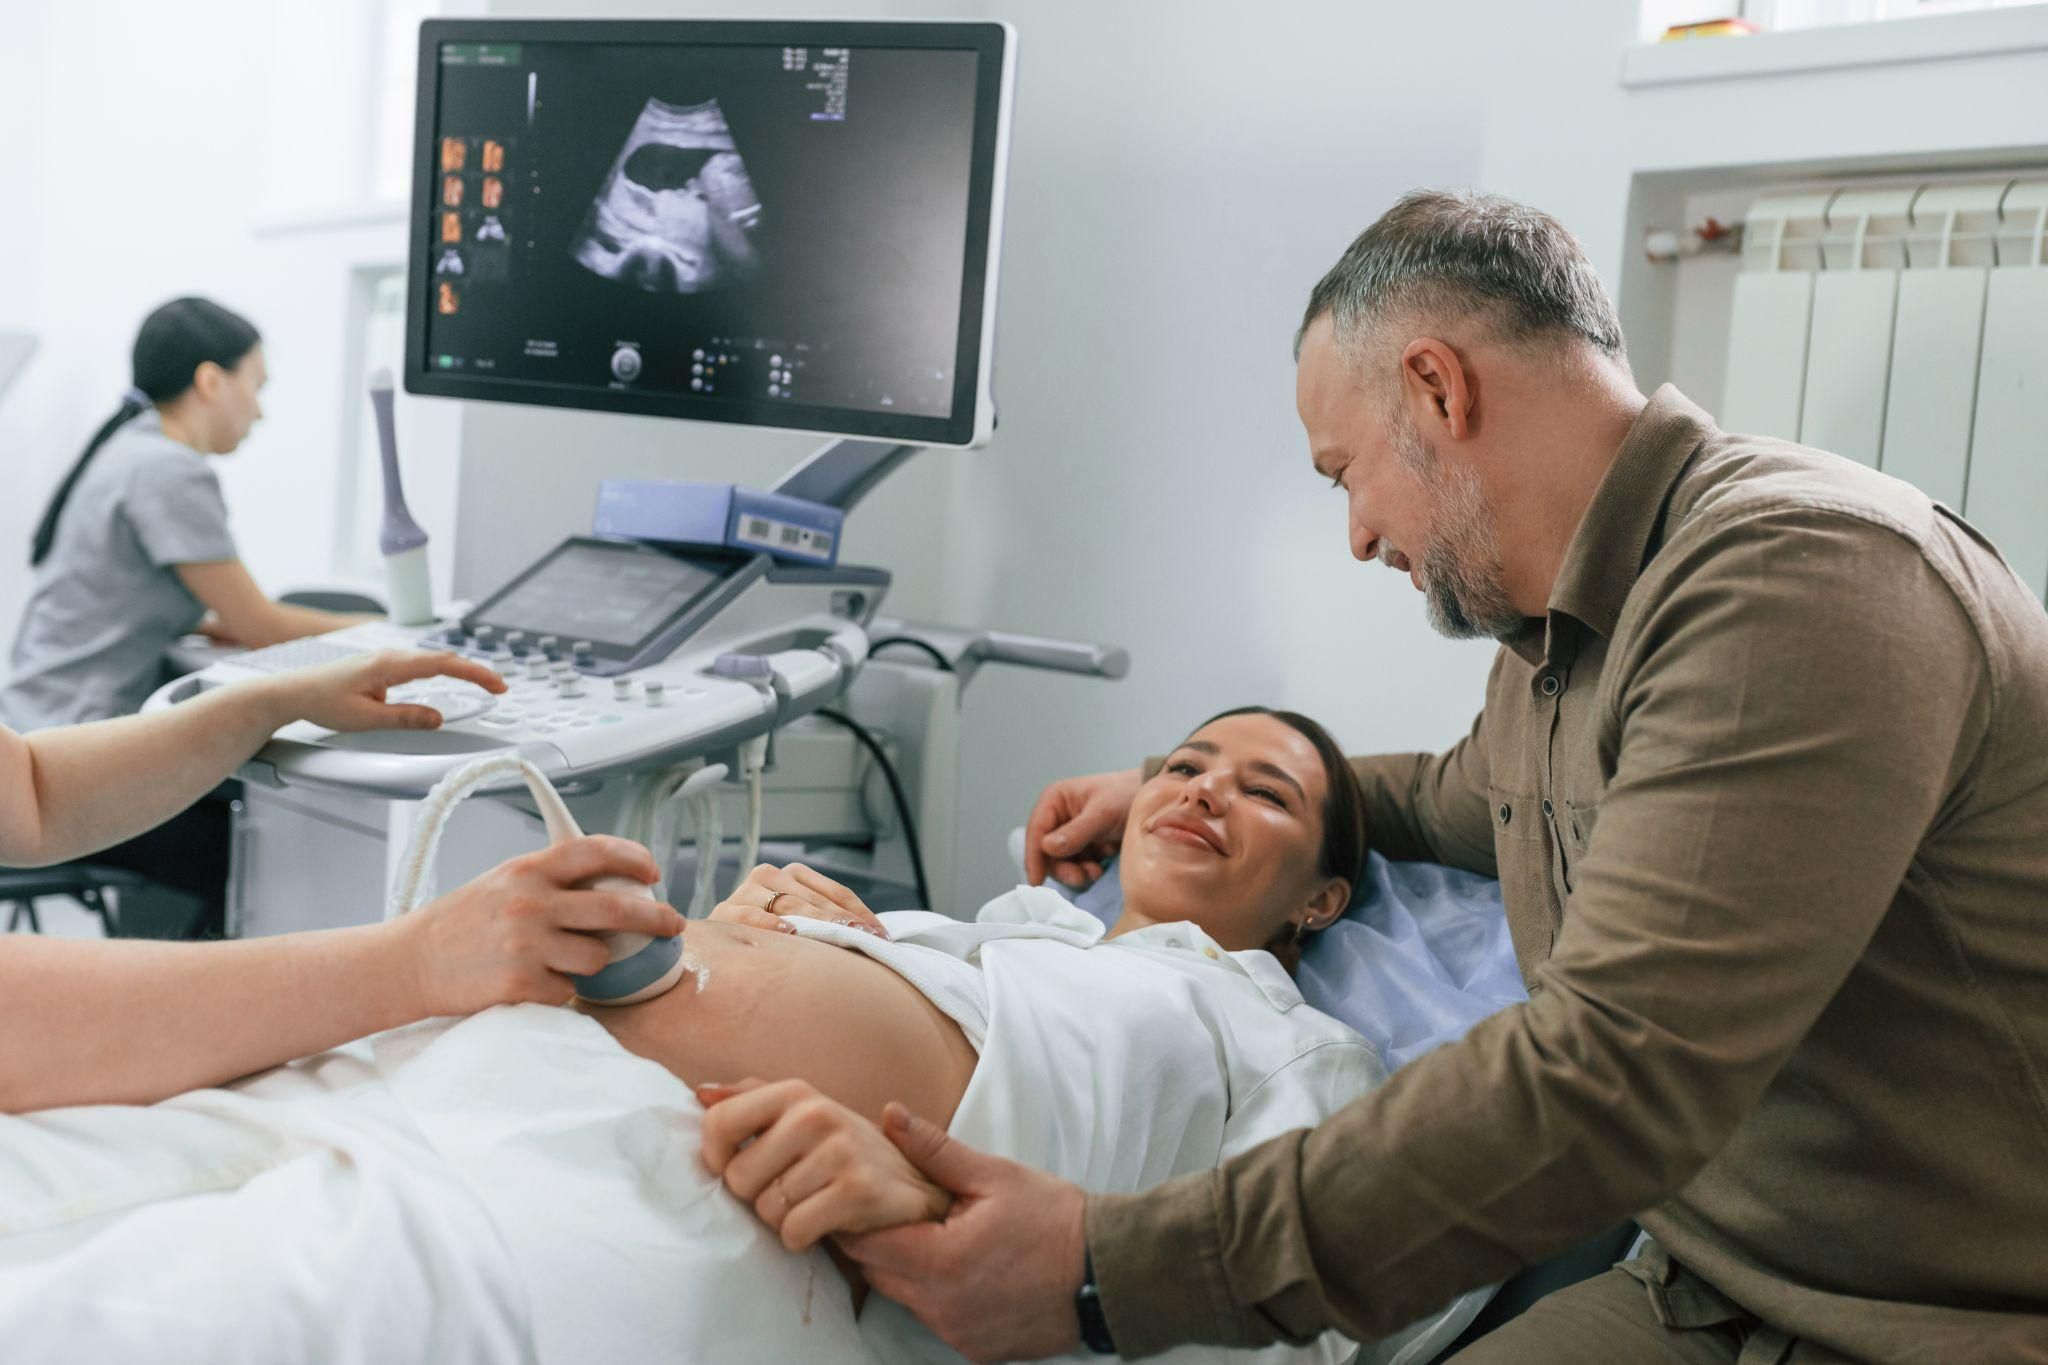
<point x="1441" y="255"/>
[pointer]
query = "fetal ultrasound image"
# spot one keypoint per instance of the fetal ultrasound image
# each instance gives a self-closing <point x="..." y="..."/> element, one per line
<point x="677" y="213"/>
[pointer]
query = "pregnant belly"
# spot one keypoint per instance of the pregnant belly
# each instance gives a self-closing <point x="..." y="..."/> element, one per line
<point x="779" y="1007"/>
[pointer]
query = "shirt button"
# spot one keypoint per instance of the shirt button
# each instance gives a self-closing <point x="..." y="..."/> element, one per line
<point x="1504" y="812"/>
<point x="1547" y="811"/>
<point x="1550" y="685"/>
<point x="1209" y="953"/>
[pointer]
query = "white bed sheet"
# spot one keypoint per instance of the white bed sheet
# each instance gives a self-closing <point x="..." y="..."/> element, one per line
<point x="510" y="1187"/>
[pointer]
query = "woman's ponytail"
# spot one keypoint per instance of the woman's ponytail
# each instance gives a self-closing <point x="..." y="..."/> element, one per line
<point x="171" y="345"/>
<point x="132" y="404"/>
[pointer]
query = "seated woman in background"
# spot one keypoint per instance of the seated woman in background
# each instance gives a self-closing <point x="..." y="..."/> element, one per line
<point x="133" y="551"/>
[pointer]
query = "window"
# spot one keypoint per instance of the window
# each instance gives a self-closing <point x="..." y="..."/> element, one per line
<point x="1785" y="16"/>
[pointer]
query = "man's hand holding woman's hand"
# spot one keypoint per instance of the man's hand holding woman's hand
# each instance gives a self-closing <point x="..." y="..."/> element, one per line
<point x="811" y="1167"/>
<point x="794" y="890"/>
<point x="1077" y="823"/>
<point x="517" y="932"/>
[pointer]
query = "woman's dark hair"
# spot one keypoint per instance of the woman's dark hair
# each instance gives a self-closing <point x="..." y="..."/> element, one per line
<point x="1343" y="800"/>
<point x="1344" y="830"/>
<point x="171" y="345"/>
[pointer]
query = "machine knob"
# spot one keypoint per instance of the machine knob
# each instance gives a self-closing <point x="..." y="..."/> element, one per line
<point x="584" y="651"/>
<point x="486" y="636"/>
<point x="515" y="640"/>
<point x="571" y="686"/>
<point x="622" y="688"/>
<point x="654" y="691"/>
<point x="550" y="646"/>
<point x="747" y="667"/>
<point x="536" y="666"/>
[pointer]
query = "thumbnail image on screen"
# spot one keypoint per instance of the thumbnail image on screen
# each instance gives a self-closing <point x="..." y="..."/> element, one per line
<point x="737" y="224"/>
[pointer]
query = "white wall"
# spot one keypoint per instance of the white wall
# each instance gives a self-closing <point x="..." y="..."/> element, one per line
<point x="157" y="149"/>
<point x="1181" y="175"/>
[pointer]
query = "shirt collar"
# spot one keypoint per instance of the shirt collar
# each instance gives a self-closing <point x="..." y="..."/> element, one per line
<point x="1612" y="543"/>
<point x="1184" y="938"/>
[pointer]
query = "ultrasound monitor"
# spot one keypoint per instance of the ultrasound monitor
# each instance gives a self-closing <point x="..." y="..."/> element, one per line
<point x="789" y="225"/>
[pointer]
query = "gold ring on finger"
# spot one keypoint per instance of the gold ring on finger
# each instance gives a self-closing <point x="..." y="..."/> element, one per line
<point x="773" y="896"/>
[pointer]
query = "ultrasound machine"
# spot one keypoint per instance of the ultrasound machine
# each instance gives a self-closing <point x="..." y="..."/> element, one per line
<point x="782" y="225"/>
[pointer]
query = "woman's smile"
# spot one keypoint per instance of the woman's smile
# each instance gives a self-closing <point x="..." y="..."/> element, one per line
<point x="1188" y="831"/>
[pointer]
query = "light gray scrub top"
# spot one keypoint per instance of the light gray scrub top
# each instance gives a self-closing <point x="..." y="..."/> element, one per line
<point x="107" y="602"/>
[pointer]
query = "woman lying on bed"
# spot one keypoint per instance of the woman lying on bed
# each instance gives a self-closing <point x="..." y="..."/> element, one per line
<point x="1115" y="1060"/>
<point x="518" y="1185"/>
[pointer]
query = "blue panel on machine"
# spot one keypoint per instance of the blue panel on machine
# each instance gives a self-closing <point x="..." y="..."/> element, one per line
<point x="722" y="514"/>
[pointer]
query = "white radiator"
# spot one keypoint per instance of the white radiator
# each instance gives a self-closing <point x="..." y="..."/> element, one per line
<point x="1906" y="326"/>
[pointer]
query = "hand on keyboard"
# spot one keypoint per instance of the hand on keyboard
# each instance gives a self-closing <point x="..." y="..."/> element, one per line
<point x="392" y="689"/>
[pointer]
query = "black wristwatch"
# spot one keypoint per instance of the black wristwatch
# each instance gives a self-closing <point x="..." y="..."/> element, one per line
<point x="1088" y="1307"/>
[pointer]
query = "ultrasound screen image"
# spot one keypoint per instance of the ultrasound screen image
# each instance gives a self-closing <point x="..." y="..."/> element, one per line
<point x="677" y="213"/>
<point x="764" y="226"/>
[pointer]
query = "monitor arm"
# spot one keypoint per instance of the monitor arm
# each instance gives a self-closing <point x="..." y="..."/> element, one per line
<point x="842" y="472"/>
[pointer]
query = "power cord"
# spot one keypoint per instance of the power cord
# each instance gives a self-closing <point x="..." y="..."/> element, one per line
<point x="938" y="659"/>
<point x="873" y="746"/>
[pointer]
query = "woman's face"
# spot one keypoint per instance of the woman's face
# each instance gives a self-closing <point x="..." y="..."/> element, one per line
<point x="231" y="398"/>
<point x="1229" y="835"/>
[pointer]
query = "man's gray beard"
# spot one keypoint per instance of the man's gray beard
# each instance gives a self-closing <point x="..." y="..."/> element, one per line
<point x="1460" y="564"/>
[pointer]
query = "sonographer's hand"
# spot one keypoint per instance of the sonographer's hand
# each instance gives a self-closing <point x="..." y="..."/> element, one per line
<point x="1078" y="822"/>
<point x="770" y="892"/>
<point x="810" y="1166"/>
<point x="517" y="932"/>
<point x="349" y="694"/>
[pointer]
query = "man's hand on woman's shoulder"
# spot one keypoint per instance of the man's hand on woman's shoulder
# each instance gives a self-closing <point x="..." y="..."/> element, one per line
<point x="1077" y="824"/>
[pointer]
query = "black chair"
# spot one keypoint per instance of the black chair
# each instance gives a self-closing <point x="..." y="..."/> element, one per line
<point x="85" y="883"/>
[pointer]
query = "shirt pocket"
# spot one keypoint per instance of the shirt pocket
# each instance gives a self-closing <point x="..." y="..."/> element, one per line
<point x="1517" y="815"/>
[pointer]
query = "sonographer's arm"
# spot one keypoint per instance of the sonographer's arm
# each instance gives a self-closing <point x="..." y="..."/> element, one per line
<point x="73" y="790"/>
<point x="244" y="614"/>
<point x="132" y="1022"/>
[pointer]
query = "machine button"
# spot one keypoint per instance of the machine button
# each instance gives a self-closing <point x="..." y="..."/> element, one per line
<point x="622" y="689"/>
<point x="570" y="687"/>
<point x="536" y="666"/>
<point x="655" y="691"/>
<point x="626" y="364"/>
<point x="609" y="720"/>
<point x="580" y="724"/>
